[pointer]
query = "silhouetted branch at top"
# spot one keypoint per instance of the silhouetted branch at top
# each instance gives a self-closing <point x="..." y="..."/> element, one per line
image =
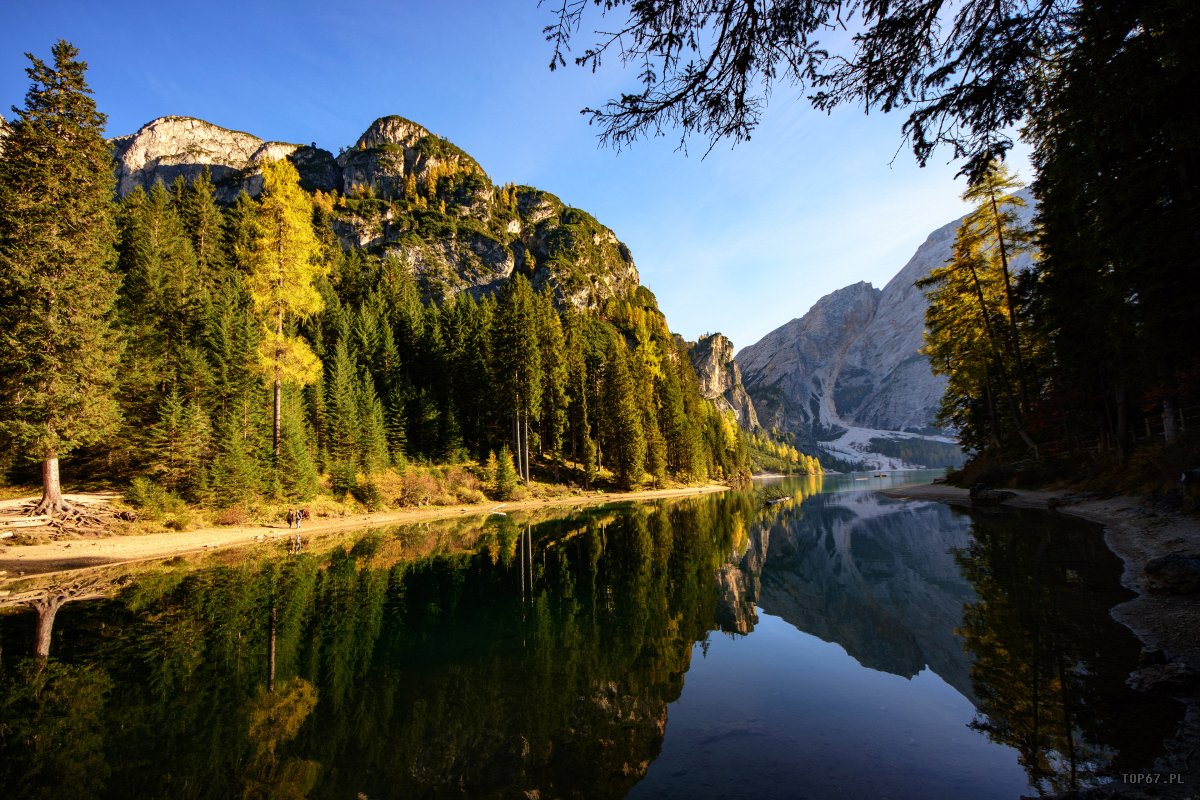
<point x="966" y="71"/>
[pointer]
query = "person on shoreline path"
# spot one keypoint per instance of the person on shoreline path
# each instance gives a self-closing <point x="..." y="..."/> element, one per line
<point x="291" y="518"/>
<point x="299" y="516"/>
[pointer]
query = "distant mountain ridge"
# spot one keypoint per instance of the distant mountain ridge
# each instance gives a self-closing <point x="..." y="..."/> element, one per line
<point x="848" y="377"/>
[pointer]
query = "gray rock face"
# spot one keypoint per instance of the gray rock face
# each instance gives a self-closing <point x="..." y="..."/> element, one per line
<point x="721" y="378"/>
<point x="852" y="361"/>
<point x="792" y="373"/>
<point x="473" y="242"/>
<point x="172" y="147"/>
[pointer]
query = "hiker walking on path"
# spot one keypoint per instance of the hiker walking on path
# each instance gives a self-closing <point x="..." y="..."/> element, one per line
<point x="299" y="516"/>
<point x="291" y="518"/>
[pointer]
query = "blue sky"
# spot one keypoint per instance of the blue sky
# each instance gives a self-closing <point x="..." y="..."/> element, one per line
<point x="739" y="242"/>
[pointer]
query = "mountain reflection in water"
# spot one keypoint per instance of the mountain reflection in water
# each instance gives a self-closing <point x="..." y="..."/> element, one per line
<point x="549" y="660"/>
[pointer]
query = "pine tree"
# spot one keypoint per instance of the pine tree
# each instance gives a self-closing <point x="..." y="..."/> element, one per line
<point x="205" y="225"/>
<point x="517" y="362"/>
<point x="626" y="437"/>
<point x="342" y="421"/>
<point x="283" y="260"/>
<point x="235" y="476"/>
<point x="180" y="445"/>
<point x="504" y="479"/>
<point x="58" y="356"/>
<point x="296" y="474"/>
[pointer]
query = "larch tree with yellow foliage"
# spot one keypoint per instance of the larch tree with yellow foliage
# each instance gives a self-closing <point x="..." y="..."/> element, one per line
<point x="283" y="257"/>
<point x="972" y="332"/>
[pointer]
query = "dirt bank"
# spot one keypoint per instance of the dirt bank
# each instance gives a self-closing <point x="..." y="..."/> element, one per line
<point x="1167" y="625"/>
<point x="26" y="560"/>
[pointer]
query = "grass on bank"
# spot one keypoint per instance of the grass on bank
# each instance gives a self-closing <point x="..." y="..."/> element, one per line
<point x="414" y="486"/>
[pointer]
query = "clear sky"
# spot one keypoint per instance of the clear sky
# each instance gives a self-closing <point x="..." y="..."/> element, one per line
<point x="739" y="242"/>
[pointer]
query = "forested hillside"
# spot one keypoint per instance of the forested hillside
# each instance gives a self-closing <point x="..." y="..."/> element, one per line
<point x="401" y="375"/>
<point x="298" y="339"/>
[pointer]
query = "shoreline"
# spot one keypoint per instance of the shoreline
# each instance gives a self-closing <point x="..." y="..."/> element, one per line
<point x="18" y="562"/>
<point x="1167" y="625"/>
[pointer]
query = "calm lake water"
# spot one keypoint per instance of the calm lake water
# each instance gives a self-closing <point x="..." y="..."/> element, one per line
<point x="830" y="644"/>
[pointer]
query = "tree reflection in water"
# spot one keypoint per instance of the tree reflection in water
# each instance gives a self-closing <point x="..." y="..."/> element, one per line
<point x="522" y="658"/>
<point x="542" y="658"/>
<point x="1049" y="663"/>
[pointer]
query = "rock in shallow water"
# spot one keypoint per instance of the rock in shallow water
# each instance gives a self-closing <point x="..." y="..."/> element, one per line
<point x="1176" y="573"/>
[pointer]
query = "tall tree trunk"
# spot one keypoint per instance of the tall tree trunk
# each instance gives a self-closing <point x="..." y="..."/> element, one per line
<point x="525" y="444"/>
<point x="1012" y="309"/>
<point x="52" y="501"/>
<point x="278" y="383"/>
<point x="1014" y="410"/>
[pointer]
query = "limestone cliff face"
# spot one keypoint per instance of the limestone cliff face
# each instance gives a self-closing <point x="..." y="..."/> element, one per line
<point x="464" y="234"/>
<point x="721" y="378"/>
<point x="4" y="131"/>
<point x="171" y="147"/>
<point x="793" y="372"/>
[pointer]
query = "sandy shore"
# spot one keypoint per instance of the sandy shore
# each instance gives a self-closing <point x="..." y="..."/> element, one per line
<point x="25" y="560"/>
<point x="1166" y="624"/>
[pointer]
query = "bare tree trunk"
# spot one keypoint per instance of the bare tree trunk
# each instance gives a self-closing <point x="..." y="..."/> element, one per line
<point x="525" y="444"/>
<point x="52" y="501"/>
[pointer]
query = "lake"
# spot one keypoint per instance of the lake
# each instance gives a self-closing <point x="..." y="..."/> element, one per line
<point x="806" y="639"/>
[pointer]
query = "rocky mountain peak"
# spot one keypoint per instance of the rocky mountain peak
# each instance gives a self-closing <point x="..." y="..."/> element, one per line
<point x="721" y="378"/>
<point x="170" y="147"/>
<point x="391" y="130"/>
<point x="406" y="192"/>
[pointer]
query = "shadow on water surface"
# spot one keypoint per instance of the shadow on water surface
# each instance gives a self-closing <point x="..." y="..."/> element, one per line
<point x="545" y="658"/>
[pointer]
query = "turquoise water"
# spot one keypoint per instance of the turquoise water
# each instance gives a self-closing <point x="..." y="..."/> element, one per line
<point x="831" y="644"/>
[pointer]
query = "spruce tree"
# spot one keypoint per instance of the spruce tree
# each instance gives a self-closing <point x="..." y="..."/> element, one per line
<point x="297" y="475"/>
<point x="160" y="306"/>
<point x="517" y="361"/>
<point x="552" y="416"/>
<point x="58" y="353"/>
<point x="235" y="473"/>
<point x="205" y="225"/>
<point x="504" y="479"/>
<point x="626" y="439"/>
<point x="372" y="428"/>
<point x="343" y="424"/>
<point x="180" y="445"/>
